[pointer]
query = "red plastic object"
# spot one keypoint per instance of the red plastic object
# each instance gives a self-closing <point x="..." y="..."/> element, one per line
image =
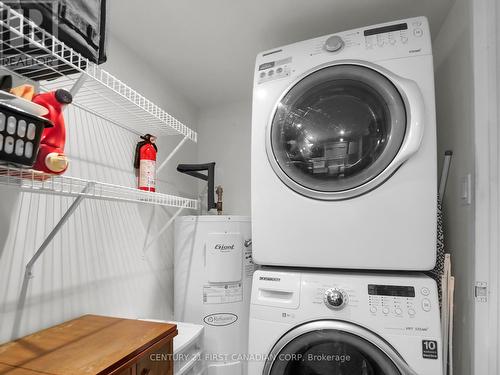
<point x="51" y="157"/>
<point x="145" y="162"/>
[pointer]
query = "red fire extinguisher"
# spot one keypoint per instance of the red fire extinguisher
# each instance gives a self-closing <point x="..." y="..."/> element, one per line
<point x="145" y="163"/>
<point x="51" y="157"/>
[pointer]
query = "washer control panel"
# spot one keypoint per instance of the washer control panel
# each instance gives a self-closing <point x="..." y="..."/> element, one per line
<point x="398" y="300"/>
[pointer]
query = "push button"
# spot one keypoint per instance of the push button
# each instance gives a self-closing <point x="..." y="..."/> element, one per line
<point x="418" y="32"/>
<point x="425" y="291"/>
<point x="426" y="305"/>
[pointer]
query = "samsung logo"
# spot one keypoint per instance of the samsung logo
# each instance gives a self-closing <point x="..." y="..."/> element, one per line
<point x="220" y="246"/>
<point x="415" y="50"/>
<point x="272" y="52"/>
<point x="265" y="278"/>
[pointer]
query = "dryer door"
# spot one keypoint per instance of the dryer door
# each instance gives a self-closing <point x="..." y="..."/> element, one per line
<point x="336" y="130"/>
<point x="334" y="347"/>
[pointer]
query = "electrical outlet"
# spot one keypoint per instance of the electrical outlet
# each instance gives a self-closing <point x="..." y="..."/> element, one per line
<point x="466" y="190"/>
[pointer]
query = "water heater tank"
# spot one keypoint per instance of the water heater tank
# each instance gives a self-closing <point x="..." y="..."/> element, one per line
<point x="213" y="271"/>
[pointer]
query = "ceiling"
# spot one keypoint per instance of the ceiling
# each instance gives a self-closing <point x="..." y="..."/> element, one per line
<point x="206" y="49"/>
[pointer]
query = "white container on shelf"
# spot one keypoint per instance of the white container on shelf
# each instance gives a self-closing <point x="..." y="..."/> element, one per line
<point x="188" y="348"/>
<point x="213" y="271"/>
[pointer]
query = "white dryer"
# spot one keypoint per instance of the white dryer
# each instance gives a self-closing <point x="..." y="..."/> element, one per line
<point x="344" y="151"/>
<point x="339" y="323"/>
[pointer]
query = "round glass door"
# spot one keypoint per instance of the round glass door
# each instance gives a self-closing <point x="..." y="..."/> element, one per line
<point x="335" y="130"/>
<point x="330" y="352"/>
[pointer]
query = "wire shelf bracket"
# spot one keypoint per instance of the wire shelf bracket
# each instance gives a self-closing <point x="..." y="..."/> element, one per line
<point x="55" y="230"/>
<point x="163" y="229"/>
<point x="37" y="182"/>
<point x="78" y="84"/>
<point x="172" y="153"/>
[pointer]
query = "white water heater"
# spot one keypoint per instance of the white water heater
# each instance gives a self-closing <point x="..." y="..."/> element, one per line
<point x="213" y="270"/>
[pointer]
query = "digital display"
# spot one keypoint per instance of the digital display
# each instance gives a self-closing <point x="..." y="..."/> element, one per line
<point x="386" y="29"/>
<point x="391" y="290"/>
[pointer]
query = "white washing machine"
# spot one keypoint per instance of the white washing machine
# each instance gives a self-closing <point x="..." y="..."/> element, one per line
<point x="340" y="323"/>
<point x="344" y="151"/>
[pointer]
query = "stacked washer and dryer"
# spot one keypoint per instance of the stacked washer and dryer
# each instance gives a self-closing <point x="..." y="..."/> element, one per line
<point x="344" y="205"/>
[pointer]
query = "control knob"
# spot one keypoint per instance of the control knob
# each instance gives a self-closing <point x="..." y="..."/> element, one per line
<point x="334" y="43"/>
<point x="335" y="298"/>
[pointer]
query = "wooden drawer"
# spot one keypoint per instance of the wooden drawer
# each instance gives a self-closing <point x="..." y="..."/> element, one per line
<point x="158" y="362"/>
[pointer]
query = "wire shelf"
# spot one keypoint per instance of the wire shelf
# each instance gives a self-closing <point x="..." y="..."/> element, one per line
<point x="31" y="52"/>
<point x="38" y="182"/>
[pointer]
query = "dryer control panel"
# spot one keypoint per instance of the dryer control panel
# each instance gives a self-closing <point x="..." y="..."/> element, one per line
<point x="394" y="34"/>
<point x="391" y="40"/>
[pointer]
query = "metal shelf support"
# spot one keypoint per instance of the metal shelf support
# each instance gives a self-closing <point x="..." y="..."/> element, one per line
<point x="174" y="151"/>
<point x="78" y="84"/>
<point x="164" y="228"/>
<point x="57" y="228"/>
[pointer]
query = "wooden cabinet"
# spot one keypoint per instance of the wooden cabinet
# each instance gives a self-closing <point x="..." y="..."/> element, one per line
<point x="93" y="345"/>
<point x="160" y="362"/>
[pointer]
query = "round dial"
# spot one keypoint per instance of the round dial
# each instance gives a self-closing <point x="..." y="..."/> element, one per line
<point x="335" y="298"/>
<point x="334" y="43"/>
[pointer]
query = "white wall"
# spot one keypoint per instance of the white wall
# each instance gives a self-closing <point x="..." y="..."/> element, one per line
<point x="96" y="264"/>
<point x="455" y="119"/>
<point x="224" y="137"/>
